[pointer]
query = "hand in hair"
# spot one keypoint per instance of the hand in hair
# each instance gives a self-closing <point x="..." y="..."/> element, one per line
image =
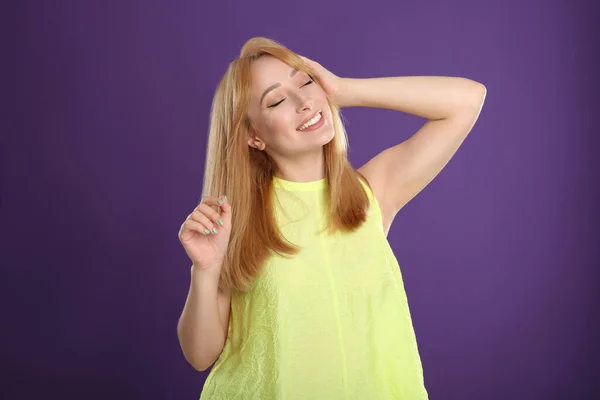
<point x="203" y="237"/>
<point x="330" y="82"/>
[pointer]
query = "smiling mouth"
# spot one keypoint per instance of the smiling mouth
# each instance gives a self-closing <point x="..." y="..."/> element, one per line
<point x="318" y="117"/>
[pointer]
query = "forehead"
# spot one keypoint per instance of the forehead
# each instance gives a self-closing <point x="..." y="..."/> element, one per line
<point x="268" y="70"/>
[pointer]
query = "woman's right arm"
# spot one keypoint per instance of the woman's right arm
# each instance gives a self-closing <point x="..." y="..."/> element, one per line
<point x="202" y="327"/>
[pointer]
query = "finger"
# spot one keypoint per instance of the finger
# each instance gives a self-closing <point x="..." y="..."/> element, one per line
<point x="224" y="208"/>
<point x="306" y="60"/>
<point x="211" y="214"/>
<point x="219" y="202"/>
<point x="210" y="200"/>
<point x="310" y="62"/>
<point x="206" y="221"/>
<point x="215" y="201"/>
<point x="193" y="226"/>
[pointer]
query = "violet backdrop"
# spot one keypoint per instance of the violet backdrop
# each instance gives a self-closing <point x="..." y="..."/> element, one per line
<point x="104" y="153"/>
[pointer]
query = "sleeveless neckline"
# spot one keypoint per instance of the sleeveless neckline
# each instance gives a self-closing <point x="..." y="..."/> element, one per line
<point x="300" y="186"/>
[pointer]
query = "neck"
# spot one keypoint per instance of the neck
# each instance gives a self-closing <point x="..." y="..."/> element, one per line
<point x="302" y="169"/>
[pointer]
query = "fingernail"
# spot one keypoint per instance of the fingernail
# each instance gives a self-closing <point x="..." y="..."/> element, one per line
<point x="206" y="231"/>
<point x="215" y="230"/>
<point x="220" y="221"/>
<point x="220" y="202"/>
<point x="226" y="199"/>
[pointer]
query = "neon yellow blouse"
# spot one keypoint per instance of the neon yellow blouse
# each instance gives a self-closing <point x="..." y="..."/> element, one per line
<point x="330" y="323"/>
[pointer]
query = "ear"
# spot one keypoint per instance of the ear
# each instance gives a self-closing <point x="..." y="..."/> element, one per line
<point x="254" y="141"/>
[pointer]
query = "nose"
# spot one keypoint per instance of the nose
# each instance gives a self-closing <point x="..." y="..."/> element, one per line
<point x="305" y="103"/>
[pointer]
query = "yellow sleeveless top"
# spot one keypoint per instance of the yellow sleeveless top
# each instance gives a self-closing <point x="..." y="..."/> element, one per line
<point x="331" y="322"/>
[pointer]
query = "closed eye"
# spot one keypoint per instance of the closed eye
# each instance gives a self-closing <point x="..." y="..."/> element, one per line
<point x="281" y="101"/>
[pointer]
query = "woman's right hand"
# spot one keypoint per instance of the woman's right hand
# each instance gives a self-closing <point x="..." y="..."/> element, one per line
<point x="207" y="250"/>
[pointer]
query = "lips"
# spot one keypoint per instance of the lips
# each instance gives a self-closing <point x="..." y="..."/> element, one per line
<point x="308" y="119"/>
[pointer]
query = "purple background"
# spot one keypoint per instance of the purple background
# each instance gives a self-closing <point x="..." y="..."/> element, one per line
<point x="103" y="159"/>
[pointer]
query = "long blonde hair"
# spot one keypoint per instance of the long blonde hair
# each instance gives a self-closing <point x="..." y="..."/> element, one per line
<point x="245" y="174"/>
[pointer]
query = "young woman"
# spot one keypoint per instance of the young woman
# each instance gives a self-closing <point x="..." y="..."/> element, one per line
<point x="295" y="291"/>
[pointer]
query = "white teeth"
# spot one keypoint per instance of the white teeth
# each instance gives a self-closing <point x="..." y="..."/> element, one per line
<point x="313" y="121"/>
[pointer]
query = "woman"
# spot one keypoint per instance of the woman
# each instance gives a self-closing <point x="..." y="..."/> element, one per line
<point x="295" y="291"/>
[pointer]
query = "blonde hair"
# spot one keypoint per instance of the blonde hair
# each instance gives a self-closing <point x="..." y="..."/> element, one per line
<point x="245" y="174"/>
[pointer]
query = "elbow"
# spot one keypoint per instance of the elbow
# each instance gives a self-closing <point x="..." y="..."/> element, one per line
<point x="200" y="366"/>
<point x="199" y="362"/>
<point x="479" y="93"/>
<point x="199" y="359"/>
<point x="473" y="100"/>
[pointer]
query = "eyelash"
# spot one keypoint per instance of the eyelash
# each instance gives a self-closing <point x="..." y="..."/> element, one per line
<point x="281" y="101"/>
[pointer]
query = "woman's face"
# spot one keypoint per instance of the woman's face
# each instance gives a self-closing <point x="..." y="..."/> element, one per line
<point x="282" y="100"/>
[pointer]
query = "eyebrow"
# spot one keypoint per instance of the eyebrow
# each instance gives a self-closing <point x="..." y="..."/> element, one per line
<point x="294" y="71"/>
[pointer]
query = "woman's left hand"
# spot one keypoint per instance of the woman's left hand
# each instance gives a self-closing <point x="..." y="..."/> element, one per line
<point x="330" y="82"/>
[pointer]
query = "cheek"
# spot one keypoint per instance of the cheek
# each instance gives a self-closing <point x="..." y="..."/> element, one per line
<point x="281" y="123"/>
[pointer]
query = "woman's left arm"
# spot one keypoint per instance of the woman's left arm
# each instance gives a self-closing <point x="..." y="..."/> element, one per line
<point x="450" y="104"/>
<point x="431" y="97"/>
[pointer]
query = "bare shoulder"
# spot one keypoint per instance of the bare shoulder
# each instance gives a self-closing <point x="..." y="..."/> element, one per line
<point x="377" y="183"/>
